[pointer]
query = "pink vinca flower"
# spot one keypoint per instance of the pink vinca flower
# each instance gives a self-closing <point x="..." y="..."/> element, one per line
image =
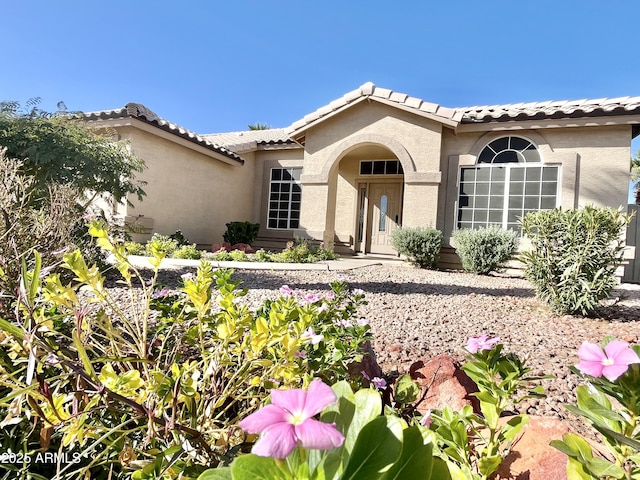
<point x="288" y="422"/>
<point x="612" y="362"/>
<point x="310" y="335"/>
<point x="483" y="342"/>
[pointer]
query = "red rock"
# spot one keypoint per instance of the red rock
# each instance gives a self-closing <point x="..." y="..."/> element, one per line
<point x="442" y="384"/>
<point x="243" y="247"/>
<point x="224" y="246"/>
<point x="531" y="457"/>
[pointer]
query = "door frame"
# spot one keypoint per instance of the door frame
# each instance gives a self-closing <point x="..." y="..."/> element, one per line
<point x="362" y="230"/>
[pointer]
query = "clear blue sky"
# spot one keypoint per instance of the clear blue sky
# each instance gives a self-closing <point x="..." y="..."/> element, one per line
<point x="214" y="66"/>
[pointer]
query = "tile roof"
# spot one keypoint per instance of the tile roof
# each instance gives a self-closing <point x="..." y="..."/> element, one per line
<point x="250" y="139"/>
<point x="383" y="95"/>
<point x="142" y="113"/>
<point x="552" y="109"/>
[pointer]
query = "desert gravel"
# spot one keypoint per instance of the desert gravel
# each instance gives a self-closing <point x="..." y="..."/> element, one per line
<point x="417" y="314"/>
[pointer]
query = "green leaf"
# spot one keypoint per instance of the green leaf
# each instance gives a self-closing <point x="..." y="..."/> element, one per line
<point x="513" y="427"/>
<point x="406" y="390"/>
<point x="489" y="464"/>
<point x="14" y="331"/>
<point x="603" y="468"/>
<point x="378" y="446"/>
<point x="216" y="474"/>
<point x="415" y="461"/>
<point x="253" y="467"/>
<point x="82" y="353"/>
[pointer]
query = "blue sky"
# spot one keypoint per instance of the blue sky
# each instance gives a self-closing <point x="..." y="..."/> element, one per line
<point x="214" y="66"/>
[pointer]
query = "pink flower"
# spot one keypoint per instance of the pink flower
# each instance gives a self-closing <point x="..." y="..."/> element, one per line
<point x="312" y="297"/>
<point x="378" y="382"/>
<point x="612" y="362"/>
<point x="483" y="342"/>
<point x="426" y="420"/>
<point x="330" y="295"/>
<point x="286" y="290"/>
<point x="288" y="422"/>
<point x="310" y="335"/>
<point x="300" y="354"/>
<point x="363" y="322"/>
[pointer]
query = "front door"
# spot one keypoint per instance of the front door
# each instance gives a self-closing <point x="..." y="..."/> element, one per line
<point x="385" y="201"/>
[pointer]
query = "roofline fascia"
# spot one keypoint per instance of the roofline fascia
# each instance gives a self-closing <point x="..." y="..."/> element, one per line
<point x="549" y="123"/>
<point x="159" y="132"/>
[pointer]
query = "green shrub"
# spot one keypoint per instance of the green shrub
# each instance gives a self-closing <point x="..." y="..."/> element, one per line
<point x="179" y="238"/>
<point x="190" y="252"/>
<point x="241" y="232"/>
<point x="262" y="256"/>
<point x="134" y="248"/>
<point x="574" y="256"/>
<point x="484" y="250"/>
<point x="239" y="256"/>
<point x="162" y="243"/>
<point x="420" y="245"/>
<point x="219" y="256"/>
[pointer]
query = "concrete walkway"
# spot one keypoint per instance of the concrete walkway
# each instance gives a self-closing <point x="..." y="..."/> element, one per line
<point x="342" y="263"/>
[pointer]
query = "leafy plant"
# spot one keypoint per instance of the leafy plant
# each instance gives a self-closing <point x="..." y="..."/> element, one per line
<point x="610" y="402"/>
<point x="241" y="232"/>
<point x="420" y="245"/>
<point x="161" y="243"/>
<point x="475" y="445"/>
<point x="574" y="255"/>
<point x="188" y="252"/>
<point x="156" y="385"/>
<point x="180" y="239"/>
<point x="485" y="250"/>
<point x="373" y="446"/>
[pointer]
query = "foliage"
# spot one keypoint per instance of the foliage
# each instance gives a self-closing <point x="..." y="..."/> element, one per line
<point x="180" y="239"/>
<point x="241" y="232"/>
<point x="190" y="252"/>
<point x="161" y="243"/>
<point x="612" y="407"/>
<point x="302" y="251"/>
<point x="485" y="250"/>
<point x="574" y="255"/>
<point x="49" y="227"/>
<point x="134" y="248"/>
<point x="475" y="445"/>
<point x="259" y="126"/>
<point x="421" y="245"/>
<point x="61" y="149"/>
<point x="375" y="447"/>
<point x="153" y="387"/>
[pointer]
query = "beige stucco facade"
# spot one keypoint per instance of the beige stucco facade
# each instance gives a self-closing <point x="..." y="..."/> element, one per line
<point x="420" y="150"/>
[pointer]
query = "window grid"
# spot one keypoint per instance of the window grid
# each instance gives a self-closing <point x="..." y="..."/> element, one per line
<point x="285" y="193"/>
<point x="381" y="167"/>
<point x="499" y="194"/>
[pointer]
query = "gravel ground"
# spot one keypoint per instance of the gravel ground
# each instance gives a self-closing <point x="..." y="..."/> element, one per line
<point x="417" y="314"/>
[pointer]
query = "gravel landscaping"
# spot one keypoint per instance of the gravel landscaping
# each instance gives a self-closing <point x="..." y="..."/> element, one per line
<point x="417" y="314"/>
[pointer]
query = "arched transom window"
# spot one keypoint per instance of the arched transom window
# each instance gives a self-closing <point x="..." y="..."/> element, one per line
<point x="508" y="181"/>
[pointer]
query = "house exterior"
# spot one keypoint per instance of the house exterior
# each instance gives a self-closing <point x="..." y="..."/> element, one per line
<point x="364" y="164"/>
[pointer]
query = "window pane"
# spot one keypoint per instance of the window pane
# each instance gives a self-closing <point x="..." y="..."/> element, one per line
<point x="383" y="214"/>
<point x="465" y="214"/>
<point x="286" y="175"/>
<point x="531" y="156"/>
<point x="467" y="188"/>
<point x="468" y="175"/>
<point x="482" y="188"/>
<point x="497" y="174"/>
<point x="500" y="144"/>
<point x="506" y="156"/>
<point x="515" y="202"/>
<point x="464" y="225"/>
<point x="532" y="203"/>
<point x="534" y="173"/>
<point x="480" y="216"/>
<point x="495" y="216"/>
<point x="481" y="201"/>
<point x="549" y="174"/>
<point x="275" y="187"/>
<point x="276" y="173"/>
<point x="273" y="223"/>
<point x="483" y="174"/>
<point x="548" y="203"/>
<point x="366" y="168"/>
<point x="497" y="187"/>
<point x="516" y="188"/>
<point x="392" y="168"/>
<point x="295" y="173"/>
<point x="549" y="188"/>
<point x="378" y="167"/>
<point x="517" y="143"/>
<point x="512" y="215"/>
<point x="496" y="201"/>
<point x="532" y="188"/>
<point x="517" y="174"/>
<point x="486" y="156"/>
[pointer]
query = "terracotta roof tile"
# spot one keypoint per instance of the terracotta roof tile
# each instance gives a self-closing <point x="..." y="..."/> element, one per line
<point x="142" y="113"/>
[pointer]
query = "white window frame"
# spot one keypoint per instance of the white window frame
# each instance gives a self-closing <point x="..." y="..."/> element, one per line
<point x="290" y="201"/>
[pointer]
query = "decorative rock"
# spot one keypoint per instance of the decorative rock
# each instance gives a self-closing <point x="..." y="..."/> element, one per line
<point x="243" y="247"/>
<point x="442" y="384"/>
<point x="531" y="457"/>
<point x="224" y="246"/>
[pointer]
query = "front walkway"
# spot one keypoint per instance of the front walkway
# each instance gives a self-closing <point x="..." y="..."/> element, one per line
<point x="342" y="263"/>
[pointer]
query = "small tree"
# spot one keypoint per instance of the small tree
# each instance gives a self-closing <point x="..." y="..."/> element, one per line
<point x="574" y="256"/>
<point x="486" y="249"/>
<point x="421" y="245"/>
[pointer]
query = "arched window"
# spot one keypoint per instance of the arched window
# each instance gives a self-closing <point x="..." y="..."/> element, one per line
<point x="508" y="181"/>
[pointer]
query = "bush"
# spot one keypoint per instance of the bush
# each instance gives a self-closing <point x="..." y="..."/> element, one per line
<point x="180" y="239"/>
<point x="241" y="232"/>
<point x="134" y="248"/>
<point x="420" y="245"/>
<point x="484" y="250"/>
<point x="574" y="256"/>
<point x="239" y="256"/>
<point x="161" y="243"/>
<point x="190" y="252"/>
<point x="157" y="375"/>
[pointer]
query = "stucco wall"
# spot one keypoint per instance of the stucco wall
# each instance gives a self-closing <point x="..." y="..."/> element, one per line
<point x="190" y="191"/>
